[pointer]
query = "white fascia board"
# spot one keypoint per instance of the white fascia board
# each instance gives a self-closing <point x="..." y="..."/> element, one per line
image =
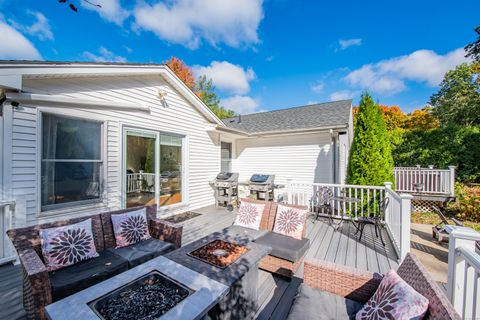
<point x="52" y="100"/>
<point x="11" y="81"/>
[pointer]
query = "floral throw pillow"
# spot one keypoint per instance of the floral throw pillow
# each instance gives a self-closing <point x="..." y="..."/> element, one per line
<point x="249" y="215"/>
<point x="130" y="227"/>
<point x="290" y="221"/>
<point x="394" y="299"/>
<point x="67" y="245"/>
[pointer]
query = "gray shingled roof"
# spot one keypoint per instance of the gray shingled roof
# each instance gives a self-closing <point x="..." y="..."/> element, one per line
<point x="319" y="115"/>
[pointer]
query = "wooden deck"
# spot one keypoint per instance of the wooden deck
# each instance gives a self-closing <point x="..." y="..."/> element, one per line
<point x="275" y="293"/>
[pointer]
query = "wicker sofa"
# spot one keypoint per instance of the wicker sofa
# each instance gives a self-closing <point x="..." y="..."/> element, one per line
<point x="287" y="253"/>
<point x="340" y="289"/>
<point x="41" y="287"/>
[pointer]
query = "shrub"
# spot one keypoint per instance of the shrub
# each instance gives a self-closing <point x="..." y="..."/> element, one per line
<point x="467" y="205"/>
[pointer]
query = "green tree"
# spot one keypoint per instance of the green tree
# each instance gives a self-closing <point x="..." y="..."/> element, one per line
<point x="473" y="49"/>
<point x="206" y="91"/>
<point x="458" y="100"/>
<point x="371" y="161"/>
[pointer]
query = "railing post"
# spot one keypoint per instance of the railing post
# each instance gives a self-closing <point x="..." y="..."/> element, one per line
<point x="405" y="216"/>
<point x="388" y="187"/>
<point x="452" y="180"/>
<point x="289" y="191"/>
<point x="456" y="290"/>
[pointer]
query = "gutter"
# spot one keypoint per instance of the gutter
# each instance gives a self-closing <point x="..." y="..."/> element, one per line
<point x="43" y="99"/>
<point x="285" y="132"/>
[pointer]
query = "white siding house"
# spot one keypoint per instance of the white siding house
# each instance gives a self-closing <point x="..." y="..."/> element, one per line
<point x="79" y="138"/>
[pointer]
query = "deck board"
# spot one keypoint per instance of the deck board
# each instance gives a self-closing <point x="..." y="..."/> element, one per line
<point x="275" y="293"/>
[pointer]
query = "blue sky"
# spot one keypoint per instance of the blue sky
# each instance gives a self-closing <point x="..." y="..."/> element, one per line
<point x="262" y="55"/>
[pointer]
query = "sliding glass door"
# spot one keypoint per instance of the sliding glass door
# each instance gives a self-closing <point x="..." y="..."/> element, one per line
<point x="153" y="168"/>
<point x="170" y="169"/>
<point x="140" y="165"/>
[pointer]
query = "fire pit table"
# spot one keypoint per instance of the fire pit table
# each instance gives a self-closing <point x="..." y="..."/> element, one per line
<point x="159" y="288"/>
<point x="230" y="261"/>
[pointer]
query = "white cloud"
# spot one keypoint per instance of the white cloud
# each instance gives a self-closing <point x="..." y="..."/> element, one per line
<point x="40" y="28"/>
<point x="344" y="44"/>
<point x="317" y="87"/>
<point x="241" y="104"/>
<point x="227" y="76"/>
<point x="389" y="76"/>
<point x="110" y="10"/>
<point x="104" y="55"/>
<point x="342" y="95"/>
<point x="15" y="45"/>
<point x="188" y="22"/>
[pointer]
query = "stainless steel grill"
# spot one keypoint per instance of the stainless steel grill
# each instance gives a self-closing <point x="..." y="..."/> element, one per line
<point x="262" y="186"/>
<point x="226" y="189"/>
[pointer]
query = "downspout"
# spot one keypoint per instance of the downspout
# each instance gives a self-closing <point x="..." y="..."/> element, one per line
<point x="334" y="157"/>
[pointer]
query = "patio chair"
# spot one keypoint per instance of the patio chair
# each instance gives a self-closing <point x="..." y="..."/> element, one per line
<point x="439" y="231"/>
<point x="322" y="201"/>
<point x="337" y="290"/>
<point x="376" y="220"/>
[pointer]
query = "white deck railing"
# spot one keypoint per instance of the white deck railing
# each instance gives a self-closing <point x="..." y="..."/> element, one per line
<point x="397" y="215"/>
<point x="135" y="181"/>
<point x="429" y="180"/>
<point x="463" y="286"/>
<point x="7" y="211"/>
<point x="397" y="220"/>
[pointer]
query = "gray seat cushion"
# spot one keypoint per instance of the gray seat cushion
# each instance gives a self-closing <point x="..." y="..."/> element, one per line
<point x="312" y="304"/>
<point x="284" y="247"/>
<point x="79" y="276"/>
<point x="240" y="233"/>
<point x="143" y="251"/>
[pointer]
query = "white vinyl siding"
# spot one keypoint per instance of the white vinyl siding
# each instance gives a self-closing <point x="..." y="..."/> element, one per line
<point x="179" y="117"/>
<point x="302" y="157"/>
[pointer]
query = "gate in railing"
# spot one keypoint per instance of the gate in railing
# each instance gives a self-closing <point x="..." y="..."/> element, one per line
<point x="463" y="286"/>
<point x="425" y="180"/>
<point x="397" y="215"/>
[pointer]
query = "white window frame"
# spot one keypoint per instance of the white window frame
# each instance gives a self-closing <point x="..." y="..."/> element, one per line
<point x="67" y="207"/>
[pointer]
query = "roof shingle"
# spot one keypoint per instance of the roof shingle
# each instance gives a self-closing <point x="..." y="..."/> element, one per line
<point x="319" y="115"/>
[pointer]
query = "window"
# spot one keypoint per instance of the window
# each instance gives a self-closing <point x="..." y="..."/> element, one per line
<point x="71" y="168"/>
<point x="226" y="157"/>
<point x="170" y="169"/>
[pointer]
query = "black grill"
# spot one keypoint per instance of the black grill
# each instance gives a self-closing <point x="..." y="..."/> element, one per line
<point x="226" y="189"/>
<point x="261" y="186"/>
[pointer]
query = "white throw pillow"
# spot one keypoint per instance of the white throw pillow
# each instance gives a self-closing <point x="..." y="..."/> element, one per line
<point x="249" y="215"/>
<point x="130" y="227"/>
<point x="67" y="245"/>
<point x="290" y="221"/>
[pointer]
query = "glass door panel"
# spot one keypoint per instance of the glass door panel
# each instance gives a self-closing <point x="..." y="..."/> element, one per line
<point x="170" y="169"/>
<point x="140" y="167"/>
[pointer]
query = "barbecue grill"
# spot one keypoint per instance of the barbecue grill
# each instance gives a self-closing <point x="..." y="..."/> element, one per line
<point x="262" y="186"/>
<point x="226" y="189"/>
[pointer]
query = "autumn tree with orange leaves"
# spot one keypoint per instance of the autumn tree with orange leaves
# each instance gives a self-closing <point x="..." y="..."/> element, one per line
<point x="203" y="87"/>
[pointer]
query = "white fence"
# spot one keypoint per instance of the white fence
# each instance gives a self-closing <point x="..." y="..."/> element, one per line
<point x="425" y="180"/>
<point x="137" y="182"/>
<point x="362" y="201"/>
<point x="7" y="211"/>
<point x="463" y="287"/>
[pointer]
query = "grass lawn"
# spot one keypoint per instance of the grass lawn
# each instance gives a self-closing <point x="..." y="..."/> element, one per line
<point x="433" y="218"/>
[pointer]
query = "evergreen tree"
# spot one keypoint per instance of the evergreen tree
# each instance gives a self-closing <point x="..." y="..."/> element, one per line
<point x="371" y="161"/>
<point x="206" y="91"/>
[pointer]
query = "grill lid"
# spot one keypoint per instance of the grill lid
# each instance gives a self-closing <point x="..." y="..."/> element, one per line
<point x="224" y="175"/>
<point x="259" y="178"/>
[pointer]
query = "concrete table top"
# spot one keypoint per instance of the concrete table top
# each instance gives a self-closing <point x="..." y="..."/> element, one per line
<point x="207" y="292"/>
<point x="230" y="274"/>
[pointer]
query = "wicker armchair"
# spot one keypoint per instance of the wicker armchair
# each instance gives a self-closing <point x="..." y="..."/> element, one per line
<point x="360" y="285"/>
<point x="278" y="265"/>
<point x="37" y="289"/>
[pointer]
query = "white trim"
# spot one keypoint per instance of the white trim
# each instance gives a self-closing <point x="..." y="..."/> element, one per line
<point x="103" y="201"/>
<point x="51" y="100"/>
